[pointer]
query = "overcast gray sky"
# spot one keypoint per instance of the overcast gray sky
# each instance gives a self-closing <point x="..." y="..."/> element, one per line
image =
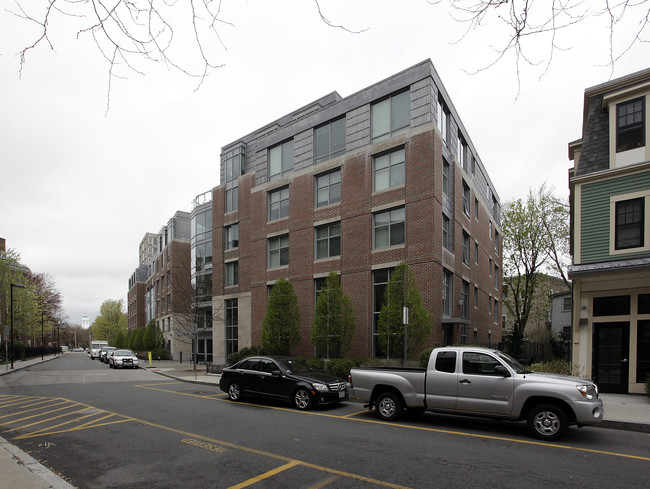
<point x="79" y="187"/>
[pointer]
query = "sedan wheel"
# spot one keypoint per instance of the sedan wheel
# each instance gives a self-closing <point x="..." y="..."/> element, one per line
<point x="302" y="399"/>
<point x="234" y="392"/>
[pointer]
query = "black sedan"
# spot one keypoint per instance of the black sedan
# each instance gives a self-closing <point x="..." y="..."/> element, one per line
<point x="282" y="378"/>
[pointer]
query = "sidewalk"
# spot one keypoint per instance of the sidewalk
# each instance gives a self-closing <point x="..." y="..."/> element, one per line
<point x="18" y="469"/>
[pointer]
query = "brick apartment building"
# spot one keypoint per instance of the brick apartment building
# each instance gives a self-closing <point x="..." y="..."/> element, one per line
<point x="357" y="185"/>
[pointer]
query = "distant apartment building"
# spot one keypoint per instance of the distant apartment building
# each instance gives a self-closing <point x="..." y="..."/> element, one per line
<point x="610" y="238"/>
<point x="357" y="185"/>
<point x="167" y="289"/>
<point x="137" y="282"/>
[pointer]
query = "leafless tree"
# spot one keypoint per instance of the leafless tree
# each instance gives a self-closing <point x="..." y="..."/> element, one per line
<point x="521" y="21"/>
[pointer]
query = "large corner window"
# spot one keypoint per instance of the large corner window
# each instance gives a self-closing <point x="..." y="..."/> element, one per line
<point x="280" y="159"/>
<point x="389" y="228"/>
<point x="630" y="125"/>
<point x="279" y="204"/>
<point x="388" y="170"/>
<point x="329" y="140"/>
<point x="390" y="116"/>
<point x="629" y="223"/>
<point x="278" y="251"/>
<point x="328" y="188"/>
<point x="328" y="241"/>
<point x="235" y="163"/>
<point x="202" y="225"/>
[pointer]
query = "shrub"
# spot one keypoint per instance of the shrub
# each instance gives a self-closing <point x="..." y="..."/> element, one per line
<point x="423" y="359"/>
<point x="340" y="367"/>
<point x="247" y="351"/>
<point x="554" y="367"/>
<point x="316" y="363"/>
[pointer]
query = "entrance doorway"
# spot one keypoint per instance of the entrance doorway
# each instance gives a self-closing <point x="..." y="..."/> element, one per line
<point x="611" y="356"/>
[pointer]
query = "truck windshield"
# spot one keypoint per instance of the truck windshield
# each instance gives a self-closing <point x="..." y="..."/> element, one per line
<point x="512" y="363"/>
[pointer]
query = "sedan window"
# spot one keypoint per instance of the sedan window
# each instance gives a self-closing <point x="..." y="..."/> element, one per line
<point x="291" y="366"/>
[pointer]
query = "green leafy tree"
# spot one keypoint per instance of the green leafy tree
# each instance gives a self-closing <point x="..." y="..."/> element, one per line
<point x="402" y="291"/>
<point x="110" y="322"/>
<point x="138" y="339"/>
<point x="281" y="325"/>
<point x="535" y="242"/>
<point x="153" y="337"/>
<point x="333" y="327"/>
<point x="120" y="340"/>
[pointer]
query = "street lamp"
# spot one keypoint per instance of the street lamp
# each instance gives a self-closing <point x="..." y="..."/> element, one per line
<point x="19" y="286"/>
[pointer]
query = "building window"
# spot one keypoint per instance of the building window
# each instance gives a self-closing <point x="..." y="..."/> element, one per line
<point x="202" y="257"/>
<point x="278" y="251"/>
<point x="232" y="273"/>
<point x="232" y="236"/>
<point x="390" y="116"/>
<point x="279" y="204"/>
<point x="445" y="177"/>
<point x="320" y="285"/>
<point x="280" y="159"/>
<point x="446" y="233"/>
<point x="328" y="188"/>
<point x="643" y="350"/>
<point x="447" y="293"/>
<point x="202" y="225"/>
<point x="496" y="241"/>
<point x="630" y="125"/>
<point x="389" y="170"/>
<point x="567" y="304"/>
<point x="476" y="208"/>
<point x="389" y="228"/>
<point x="496" y="276"/>
<point x="232" y="199"/>
<point x="466" y="197"/>
<point x="475" y="297"/>
<point x="476" y="252"/>
<point x="328" y="241"/>
<point x="379" y="283"/>
<point x="496" y="311"/>
<point x="465" y="154"/>
<point x="465" y="248"/>
<point x="629" y="223"/>
<point x="464" y="300"/>
<point x="443" y="118"/>
<point x="234" y="162"/>
<point x="329" y="140"/>
<point x="204" y="287"/>
<point x="232" y="326"/>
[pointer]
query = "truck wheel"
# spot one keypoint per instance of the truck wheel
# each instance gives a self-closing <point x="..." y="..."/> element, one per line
<point x="547" y="422"/>
<point x="388" y="406"/>
<point x="234" y="392"/>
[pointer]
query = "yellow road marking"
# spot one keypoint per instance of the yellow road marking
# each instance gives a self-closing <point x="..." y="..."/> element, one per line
<point x="265" y="475"/>
<point x="324" y="482"/>
<point x="41" y="421"/>
<point x="35" y="409"/>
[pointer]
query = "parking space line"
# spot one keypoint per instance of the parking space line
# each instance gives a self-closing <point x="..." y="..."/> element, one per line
<point x="265" y="475"/>
<point x="18" y="400"/>
<point x="41" y="421"/>
<point x="324" y="482"/>
<point x="35" y="409"/>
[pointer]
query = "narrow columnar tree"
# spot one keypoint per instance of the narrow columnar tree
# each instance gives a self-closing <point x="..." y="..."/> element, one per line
<point x="333" y="327"/>
<point x="402" y="291"/>
<point x="281" y="325"/>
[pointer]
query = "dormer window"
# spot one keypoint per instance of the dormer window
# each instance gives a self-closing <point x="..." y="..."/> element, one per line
<point x="630" y="125"/>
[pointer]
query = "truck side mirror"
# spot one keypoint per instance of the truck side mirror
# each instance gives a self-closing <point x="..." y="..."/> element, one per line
<point x="501" y="370"/>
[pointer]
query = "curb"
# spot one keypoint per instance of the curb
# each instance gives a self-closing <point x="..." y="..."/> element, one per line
<point x="624" y="425"/>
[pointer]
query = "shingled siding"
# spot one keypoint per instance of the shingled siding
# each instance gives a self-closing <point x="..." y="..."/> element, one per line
<point x="595" y="217"/>
<point x="595" y="144"/>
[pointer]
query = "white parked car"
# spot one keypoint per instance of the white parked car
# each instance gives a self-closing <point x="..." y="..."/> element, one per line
<point x="104" y="352"/>
<point x="123" y="358"/>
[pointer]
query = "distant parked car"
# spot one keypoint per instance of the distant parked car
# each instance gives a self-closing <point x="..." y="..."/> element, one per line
<point x="122" y="358"/>
<point x="103" y="353"/>
<point x="78" y="349"/>
<point x="282" y="378"/>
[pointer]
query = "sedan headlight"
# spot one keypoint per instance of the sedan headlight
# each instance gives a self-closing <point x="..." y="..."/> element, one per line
<point x="588" y="391"/>
<point x="321" y="387"/>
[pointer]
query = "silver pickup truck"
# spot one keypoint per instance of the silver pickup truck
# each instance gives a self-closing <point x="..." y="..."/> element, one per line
<point x="480" y="382"/>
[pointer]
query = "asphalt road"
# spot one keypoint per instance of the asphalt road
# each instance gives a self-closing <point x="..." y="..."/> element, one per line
<point x="98" y="427"/>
